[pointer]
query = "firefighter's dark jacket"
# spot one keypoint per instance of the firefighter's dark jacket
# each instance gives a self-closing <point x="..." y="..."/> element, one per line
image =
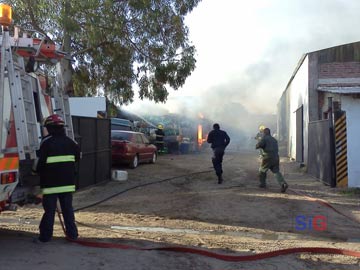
<point x="270" y="146"/>
<point x="56" y="166"/>
<point x="218" y="138"/>
<point x="159" y="135"/>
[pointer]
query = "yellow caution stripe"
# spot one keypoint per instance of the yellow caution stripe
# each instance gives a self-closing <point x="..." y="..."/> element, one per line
<point x="341" y="152"/>
<point x="61" y="189"/>
<point x="58" y="159"/>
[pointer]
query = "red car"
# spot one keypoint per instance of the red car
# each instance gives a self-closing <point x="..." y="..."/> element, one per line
<point x="131" y="148"/>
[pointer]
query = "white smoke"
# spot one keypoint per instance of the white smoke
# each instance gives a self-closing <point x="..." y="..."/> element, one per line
<point x="247" y="52"/>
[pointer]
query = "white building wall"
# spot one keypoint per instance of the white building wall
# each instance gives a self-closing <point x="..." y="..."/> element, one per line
<point x="87" y="106"/>
<point x="299" y="96"/>
<point x="352" y="108"/>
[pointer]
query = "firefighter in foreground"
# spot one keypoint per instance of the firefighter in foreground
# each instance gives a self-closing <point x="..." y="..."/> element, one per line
<point x="270" y="160"/>
<point x="56" y="166"/>
<point x="219" y="141"/>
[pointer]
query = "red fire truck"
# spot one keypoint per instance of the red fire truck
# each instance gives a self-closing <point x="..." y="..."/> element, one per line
<point x="24" y="104"/>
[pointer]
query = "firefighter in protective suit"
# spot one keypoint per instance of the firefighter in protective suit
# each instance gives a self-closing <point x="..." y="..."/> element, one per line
<point x="159" y="141"/>
<point x="270" y="160"/>
<point x="56" y="167"/>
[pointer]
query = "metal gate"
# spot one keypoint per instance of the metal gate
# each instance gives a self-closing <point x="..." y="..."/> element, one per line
<point x="93" y="136"/>
<point x="300" y="135"/>
<point x="341" y="150"/>
<point x="319" y="156"/>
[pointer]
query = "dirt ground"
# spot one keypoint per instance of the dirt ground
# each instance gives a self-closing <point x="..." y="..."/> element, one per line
<point x="177" y="202"/>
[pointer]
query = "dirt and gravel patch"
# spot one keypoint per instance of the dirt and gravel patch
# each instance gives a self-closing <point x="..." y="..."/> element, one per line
<point x="177" y="201"/>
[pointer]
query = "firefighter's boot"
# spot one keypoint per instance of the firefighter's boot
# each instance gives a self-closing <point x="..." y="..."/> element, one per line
<point x="281" y="181"/>
<point x="284" y="187"/>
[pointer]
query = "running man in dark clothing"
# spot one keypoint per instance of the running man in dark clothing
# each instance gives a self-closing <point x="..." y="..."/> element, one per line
<point x="219" y="141"/>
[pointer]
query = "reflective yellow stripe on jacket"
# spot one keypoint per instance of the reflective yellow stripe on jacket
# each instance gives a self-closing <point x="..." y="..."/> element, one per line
<point x="62" y="189"/>
<point x="57" y="159"/>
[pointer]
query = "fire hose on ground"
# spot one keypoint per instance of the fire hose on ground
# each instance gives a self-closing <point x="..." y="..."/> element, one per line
<point x="223" y="257"/>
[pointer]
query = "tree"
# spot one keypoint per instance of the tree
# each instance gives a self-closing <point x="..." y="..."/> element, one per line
<point x="117" y="44"/>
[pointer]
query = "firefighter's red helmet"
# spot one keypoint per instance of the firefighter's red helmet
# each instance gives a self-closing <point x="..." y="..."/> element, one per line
<point x="54" y="120"/>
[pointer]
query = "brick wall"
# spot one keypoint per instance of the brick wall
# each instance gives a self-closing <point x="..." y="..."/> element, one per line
<point x="340" y="70"/>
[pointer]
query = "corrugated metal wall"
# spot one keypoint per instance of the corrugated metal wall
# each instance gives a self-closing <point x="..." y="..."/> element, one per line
<point x="93" y="136"/>
<point x="344" y="53"/>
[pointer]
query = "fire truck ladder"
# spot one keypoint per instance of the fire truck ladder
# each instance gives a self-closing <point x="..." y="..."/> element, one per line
<point x="62" y="105"/>
<point x="22" y="101"/>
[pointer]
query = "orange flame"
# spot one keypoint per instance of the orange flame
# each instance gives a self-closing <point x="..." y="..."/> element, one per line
<point x="200" y="134"/>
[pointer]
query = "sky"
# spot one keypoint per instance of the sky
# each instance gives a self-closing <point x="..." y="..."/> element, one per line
<point x="248" y="50"/>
